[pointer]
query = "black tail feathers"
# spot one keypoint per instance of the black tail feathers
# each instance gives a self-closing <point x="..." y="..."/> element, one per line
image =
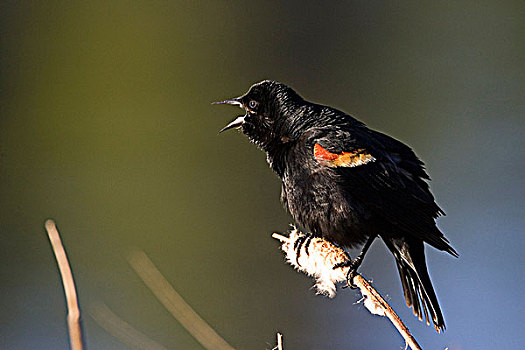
<point x="419" y="293"/>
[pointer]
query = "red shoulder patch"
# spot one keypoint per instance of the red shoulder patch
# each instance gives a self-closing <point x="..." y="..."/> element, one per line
<point x="322" y="154"/>
<point x="345" y="159"/>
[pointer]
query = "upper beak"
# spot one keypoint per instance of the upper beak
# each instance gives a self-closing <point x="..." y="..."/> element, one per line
<point x="234" y="101"/>
<point x="237" y="122"/>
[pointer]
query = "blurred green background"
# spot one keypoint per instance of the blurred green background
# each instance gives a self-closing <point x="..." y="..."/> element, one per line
<point x="106" y="126"/>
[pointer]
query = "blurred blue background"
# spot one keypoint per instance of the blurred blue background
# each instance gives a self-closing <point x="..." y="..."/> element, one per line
<point x="106" y="126"/>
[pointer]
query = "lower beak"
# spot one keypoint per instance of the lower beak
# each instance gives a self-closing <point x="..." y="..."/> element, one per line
<point x="237" y="122"/>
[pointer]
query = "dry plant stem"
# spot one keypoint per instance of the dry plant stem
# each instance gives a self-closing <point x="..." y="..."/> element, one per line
<point x="122" y="330"/>
<point x="279" y="341"/>
<point x="321" y="258"/>
<point x="370" y="292"/>
<point x="73" y="312"/>
<point x="175" y="304"/>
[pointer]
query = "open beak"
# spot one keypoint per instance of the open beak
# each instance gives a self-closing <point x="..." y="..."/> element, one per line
<point x="237" y="122"/>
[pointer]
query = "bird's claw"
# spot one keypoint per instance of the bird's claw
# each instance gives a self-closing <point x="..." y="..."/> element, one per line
<point x="352" y="272"/>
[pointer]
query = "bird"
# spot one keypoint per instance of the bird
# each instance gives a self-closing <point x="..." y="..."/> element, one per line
<point x="348" y="184"/>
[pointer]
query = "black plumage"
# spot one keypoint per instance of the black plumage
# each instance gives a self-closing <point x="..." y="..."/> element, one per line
<point x="348" y="183"/>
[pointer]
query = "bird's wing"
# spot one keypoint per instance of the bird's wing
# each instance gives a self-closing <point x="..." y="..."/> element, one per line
<point x="384" y="175"/>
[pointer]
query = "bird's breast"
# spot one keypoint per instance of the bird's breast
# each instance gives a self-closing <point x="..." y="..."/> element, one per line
<point x="317" y="201"/>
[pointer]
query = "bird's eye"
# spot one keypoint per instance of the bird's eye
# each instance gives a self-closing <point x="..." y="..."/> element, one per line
<point x="253" y="104"/>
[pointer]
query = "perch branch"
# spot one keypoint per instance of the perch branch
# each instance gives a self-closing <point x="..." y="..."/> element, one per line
<point x="372" y="294"/>
<point x="317" y="257"/>
<point x="73" y="311"/>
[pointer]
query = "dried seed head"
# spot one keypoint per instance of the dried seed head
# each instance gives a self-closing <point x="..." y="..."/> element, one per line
<point x="316" y="258"/>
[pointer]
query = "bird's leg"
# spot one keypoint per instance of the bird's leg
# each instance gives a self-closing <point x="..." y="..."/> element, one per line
<point x="354" y="264"/>
<point x="305" y="241"/>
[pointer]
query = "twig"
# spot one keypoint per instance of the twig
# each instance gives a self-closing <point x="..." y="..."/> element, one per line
<point x="73" y="313"/>
<point x="317" y="257"/>
<point x="121" y="329"/>
<point x="370" y="292"/>
<point x="175" y="304"/>
<point x="279" y="342"/>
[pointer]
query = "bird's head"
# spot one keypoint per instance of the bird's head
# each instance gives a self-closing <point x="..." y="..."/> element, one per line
<point x="271" y="112"/>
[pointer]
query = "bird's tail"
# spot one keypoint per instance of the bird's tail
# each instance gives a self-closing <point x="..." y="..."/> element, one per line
<point x="419" y="293"/>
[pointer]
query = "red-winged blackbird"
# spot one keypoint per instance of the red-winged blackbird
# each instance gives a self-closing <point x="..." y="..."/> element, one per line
<point x="348" y="183"/>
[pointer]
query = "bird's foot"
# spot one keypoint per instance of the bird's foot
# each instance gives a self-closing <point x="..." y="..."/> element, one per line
<point x="353" y="265"/>
<point x="352" y="271"/>
<point x="305" y="241"/>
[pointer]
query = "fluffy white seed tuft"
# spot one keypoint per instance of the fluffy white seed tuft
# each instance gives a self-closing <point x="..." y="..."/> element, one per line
<point x="316" y="258"/>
